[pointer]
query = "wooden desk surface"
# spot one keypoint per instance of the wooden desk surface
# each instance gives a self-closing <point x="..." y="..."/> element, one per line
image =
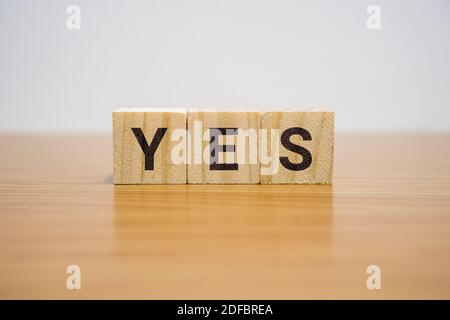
<point x="389" y="206"/>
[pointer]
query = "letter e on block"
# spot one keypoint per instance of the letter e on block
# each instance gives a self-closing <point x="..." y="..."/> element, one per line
<point x="224" y="147"/>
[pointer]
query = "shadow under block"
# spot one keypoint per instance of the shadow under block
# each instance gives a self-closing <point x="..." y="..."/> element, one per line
<point x="136" y="129"/>
<point x="229" y="128"/>
<point x="306" y="142"/>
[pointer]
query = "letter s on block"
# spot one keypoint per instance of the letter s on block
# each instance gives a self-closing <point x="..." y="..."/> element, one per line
<point x="286" y="142"/>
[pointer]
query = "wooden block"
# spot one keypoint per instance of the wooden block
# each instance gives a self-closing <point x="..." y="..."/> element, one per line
<point x="150" y="130"/>
<point x="223" y="147"/>
<point x="305" y="142"/>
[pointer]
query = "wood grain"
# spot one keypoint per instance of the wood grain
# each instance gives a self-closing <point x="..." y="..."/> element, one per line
<point x="389" y="206"/>
<point x="318" y="142"/>
<point x="129" y="159"/>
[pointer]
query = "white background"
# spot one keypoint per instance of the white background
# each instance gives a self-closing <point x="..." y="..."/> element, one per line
<point x="228" y="53"/>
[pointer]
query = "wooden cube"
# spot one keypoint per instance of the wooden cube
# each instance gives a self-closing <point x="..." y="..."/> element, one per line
<point x="223" y="147"/>
<point x="305" y="143"/>
<point x="144" y="151"/>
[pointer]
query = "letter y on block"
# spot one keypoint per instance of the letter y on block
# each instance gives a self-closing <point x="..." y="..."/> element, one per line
<point x="138" y="162"/>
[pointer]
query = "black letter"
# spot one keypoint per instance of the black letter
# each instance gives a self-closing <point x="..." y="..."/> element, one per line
<point x="285" y="141"/>
<point x="149" y="150"/>
<point x="214" y="145"/>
